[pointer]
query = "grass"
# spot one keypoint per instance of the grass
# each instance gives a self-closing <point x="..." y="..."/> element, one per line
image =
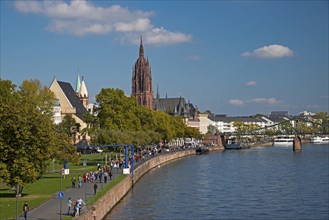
<point x="43" y="189"/>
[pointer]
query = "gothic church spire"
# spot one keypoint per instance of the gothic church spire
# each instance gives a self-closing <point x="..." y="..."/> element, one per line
<point x="141" y="48"/>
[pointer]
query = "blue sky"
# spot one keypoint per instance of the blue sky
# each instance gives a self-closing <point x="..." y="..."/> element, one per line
<point x="229" y="57"/>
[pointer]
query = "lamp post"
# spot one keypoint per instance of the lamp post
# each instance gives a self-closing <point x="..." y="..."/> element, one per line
<point x="60" y="199"/>
<point x="17" y="191"/>
<point x="85" y="164"/>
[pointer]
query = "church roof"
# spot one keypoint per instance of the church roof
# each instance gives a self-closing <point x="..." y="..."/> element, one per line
<point x="73" y="99"/>
<point x="175" y="106"/>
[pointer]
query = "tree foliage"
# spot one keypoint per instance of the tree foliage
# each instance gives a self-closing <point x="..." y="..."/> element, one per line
<point x="121" y="120"/>
<point x="28" y="136"/>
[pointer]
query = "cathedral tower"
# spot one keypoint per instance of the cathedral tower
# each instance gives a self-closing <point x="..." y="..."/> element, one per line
<point x="142" y="80"/>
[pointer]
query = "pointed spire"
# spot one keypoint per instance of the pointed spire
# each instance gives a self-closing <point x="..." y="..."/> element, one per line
<point x="141" y="48"/>
<point x="83" y="89"/>
<point x="78" y="83"/>
<point x="158" y="93"/>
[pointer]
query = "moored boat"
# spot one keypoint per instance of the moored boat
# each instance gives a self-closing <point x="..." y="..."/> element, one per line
<point x="201" y="150"/>
<point x="319" y="140"/>
<point x="284" y="140"/>
<point x="235" y="145"/>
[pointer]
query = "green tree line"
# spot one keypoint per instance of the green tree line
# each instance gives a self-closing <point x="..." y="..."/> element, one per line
<point x="121" y="120"/>
<point x="29" y="139"/>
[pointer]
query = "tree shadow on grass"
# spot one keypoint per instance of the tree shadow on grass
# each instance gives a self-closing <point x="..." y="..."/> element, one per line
<point x="11" y="195"/>
<point x="50" y="177"/>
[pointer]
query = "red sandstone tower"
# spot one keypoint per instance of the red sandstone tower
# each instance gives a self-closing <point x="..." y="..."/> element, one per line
<point x="142" y="80"/>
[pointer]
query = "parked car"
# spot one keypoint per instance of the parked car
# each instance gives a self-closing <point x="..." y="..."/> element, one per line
<point x="99" y="150"/>
<point x="83" y="149"/>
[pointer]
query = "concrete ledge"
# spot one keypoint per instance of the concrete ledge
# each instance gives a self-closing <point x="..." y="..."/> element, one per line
<point x="115" y="194"/>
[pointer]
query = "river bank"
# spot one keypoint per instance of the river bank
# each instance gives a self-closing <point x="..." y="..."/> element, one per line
<point x="114" y="195"/>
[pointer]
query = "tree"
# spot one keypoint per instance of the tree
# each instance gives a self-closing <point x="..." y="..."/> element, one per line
<point x="240" y="128"/>
<point x="121" y="120"/>
<point x="28" y="136"/>
<point x="322" y="122"/>
<point x="117" y="111"/>
<point x="70" y="127"/>
<point x="192" y="133"/>
<point x="212" y="129"/>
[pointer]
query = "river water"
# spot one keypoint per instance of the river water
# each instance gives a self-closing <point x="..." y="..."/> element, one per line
<point x="257" y="183"/>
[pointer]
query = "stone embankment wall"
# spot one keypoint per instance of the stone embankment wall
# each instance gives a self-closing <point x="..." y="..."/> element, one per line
<point x="114" y="195"/>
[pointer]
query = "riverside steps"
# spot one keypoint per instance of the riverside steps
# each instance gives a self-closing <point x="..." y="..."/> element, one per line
<point x="115" y="194"/>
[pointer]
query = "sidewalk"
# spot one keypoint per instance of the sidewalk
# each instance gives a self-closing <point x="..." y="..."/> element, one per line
<point x="51" y="209"/>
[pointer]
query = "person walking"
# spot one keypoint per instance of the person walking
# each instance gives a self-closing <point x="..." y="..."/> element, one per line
<point x="77" y="208"/>
<point x="25" y="210"/>
<point x="110" y="174"/>
<point x="69" y="205"/>
<point x="80" y="201"/>
<point x="73" y="182"/>
<point x="95" y="188"/>
<point x="105" y="176"/>
<point x="79" y="182"/>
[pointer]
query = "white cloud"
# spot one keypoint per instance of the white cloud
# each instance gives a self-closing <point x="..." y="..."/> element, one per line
<point x="271" y="101"/>
<point x="250" y="83"/>
<point x="268" y="101"/>
<point x="236" y="102"/>
<point x="193" y="58"/>
<point x="81" y="17"/>
<point x="271" y="51"/>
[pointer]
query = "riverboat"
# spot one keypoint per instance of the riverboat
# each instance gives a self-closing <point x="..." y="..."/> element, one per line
<point x="202" y="150"/>
<point x="284" y="140"/>
<point x="235" y="145"/>
<point x="319" y="140"/>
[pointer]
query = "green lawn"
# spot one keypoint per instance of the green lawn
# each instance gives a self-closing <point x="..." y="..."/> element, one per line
<point x="42" y="190"/>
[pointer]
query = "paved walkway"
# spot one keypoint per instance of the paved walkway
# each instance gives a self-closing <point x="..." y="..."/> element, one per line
<point x="51" y="209"/>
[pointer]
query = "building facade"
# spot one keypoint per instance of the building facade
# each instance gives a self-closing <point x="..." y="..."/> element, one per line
<point x="142" y="80"/>
<point x="69" y="102"/>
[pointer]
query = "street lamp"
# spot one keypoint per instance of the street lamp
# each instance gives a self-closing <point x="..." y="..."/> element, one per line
<point x="85" y="164"/>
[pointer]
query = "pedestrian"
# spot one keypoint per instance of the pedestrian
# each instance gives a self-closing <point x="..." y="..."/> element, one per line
<point x="78" y="206"/>
<point x="110" y="174"/>
<point x="80" y="201"/>
<point x="79" y="182"/>
<point x="77" y="209"/>
<point x="73" y="182"/>
<point x="105" y="176"/>
<point x="25" y="210"/>
<point x="100" y="176"/>
<point x="69" y="205"/>
<point x="95" y="188"/>
<point x="84" y="177"/>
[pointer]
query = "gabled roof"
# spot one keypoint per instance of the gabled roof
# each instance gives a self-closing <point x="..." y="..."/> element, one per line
<point x="174" y="105"/>
<point x="73" y="99"/>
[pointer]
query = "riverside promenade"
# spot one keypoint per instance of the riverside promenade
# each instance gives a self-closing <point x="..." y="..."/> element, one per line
<point x="50" y="210"/>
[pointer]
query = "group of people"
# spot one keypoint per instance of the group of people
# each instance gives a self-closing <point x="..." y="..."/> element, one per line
<point x="76" y="207"/>
<point x="73" y="180"/>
